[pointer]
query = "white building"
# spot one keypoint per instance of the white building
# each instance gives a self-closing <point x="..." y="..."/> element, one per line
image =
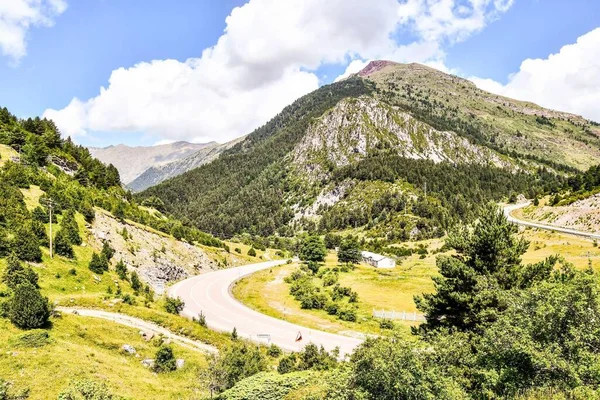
<point x="377" y="260"/>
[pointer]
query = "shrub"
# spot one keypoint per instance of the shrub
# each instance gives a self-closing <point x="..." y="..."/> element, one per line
<point x="87" y="390"/>
<point x="386" y="324"/>
<point x="98" y="264"/>
<point x="252" y="252"/>
<point x="274" y="351"/>
<point x="174" y="305"/>
<point x="72" y="271"/>
<point x="128" y="299"/>
<point x="28" y="309"/>
<point x="330" y="279"/>
<point x="332" y="308"/>
<point x="165" y="360"/>
<point x="234" y="334"/>
<point x="287" y="364"/>
<point x="238" y="250"/>
<point x="347" y="313"/>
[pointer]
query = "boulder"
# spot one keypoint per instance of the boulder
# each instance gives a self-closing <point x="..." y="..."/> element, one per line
<point x="128" y="349"/>
<point x="148" y="363"/>
<point x="180" y="362"/>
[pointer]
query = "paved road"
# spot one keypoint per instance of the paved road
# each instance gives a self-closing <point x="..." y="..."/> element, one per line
<point x="509" y="209"/>
<point x="140" y="324"/>
<point x="210" y="293"/>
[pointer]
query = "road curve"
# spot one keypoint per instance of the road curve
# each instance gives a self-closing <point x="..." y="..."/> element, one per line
<point x="210" y="293"/>
<point x="509" y="209"/>
<point x="138" y="323"/>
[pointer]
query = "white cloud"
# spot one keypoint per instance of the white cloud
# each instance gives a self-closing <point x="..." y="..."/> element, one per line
<point x="568" y="80"/>
<point x="17" y="17"/>
<point x="265" y="59"/>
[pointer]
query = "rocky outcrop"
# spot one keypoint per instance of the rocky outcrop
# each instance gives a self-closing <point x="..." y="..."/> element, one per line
<point x="158" y="259"/>
<point x="356" y="127"/>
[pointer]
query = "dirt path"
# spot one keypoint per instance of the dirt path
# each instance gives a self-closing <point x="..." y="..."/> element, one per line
<point x="140" y="324"/>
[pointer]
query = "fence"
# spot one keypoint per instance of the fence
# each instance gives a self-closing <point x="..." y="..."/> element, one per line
<point x="398" y="315"/>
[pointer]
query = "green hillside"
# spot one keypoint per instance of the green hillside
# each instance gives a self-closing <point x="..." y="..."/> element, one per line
<point x="456" y="147"/>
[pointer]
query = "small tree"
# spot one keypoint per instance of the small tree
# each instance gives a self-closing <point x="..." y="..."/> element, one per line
<point x="174" y="305"/>
<point x="28" y="309"/>
<point x="234" y="334"/>
<point x="98" y="264"/>
<point x="136" y="284"/>
<point x="107" y="251"/>
<point x="165" y="360"/>
<point x="15" y="274"/>
<point x="26" y="245"/>
<point x="71" y="228"/>
<point x="121" y="270"/>
<point x="62" y="245"/>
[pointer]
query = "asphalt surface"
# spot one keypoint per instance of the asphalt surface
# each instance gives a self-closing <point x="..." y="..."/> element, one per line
<point x="509" y="209"/>
<point x="210" y="294"/>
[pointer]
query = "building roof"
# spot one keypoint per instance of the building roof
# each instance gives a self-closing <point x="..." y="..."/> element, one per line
<point x="373" y="256"/>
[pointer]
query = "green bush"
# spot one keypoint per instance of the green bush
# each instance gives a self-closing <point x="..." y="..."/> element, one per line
<point x="165" y="360"/>
<point x="87" y="390"/>
<point x="26" y="245"/>
<point x="386" y="324"/>
<point x="347" y="313"/>
<point x="28" y="309"/>
<point x="15" y="274"/>
<point x="252" y="252"/>
<point x="174" y="305"/>
<point x="121" y="270"/>
<point x="274" y="351"/>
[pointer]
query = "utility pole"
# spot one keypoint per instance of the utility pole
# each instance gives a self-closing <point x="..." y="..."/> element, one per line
<point x="50" y="205"/>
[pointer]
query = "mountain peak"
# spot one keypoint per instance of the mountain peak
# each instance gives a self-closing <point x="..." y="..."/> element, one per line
<point x="374" y="66"/>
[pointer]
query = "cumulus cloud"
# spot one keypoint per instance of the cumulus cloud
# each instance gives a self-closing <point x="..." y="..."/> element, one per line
<point x="568" y="80"/>
<point x="17" y="17"/>
<point x="266" y="58"/>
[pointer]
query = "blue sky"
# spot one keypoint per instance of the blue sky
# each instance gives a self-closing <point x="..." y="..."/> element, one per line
<point x="268" y="57"/>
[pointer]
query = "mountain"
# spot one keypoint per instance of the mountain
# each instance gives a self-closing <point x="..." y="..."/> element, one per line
<point x="399" y="150"/>
<point x="133" y="161"/>
<point x="161" y="172"/>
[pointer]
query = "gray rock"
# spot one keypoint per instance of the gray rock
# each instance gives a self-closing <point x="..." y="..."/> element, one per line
<point x="180" y="363"/>
<point x="128" y="349"/>
<point x="148" y="363"/>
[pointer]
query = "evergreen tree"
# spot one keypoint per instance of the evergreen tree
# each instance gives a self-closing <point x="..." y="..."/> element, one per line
<point x="136" y="284"/>
<point x="28" y="309"/>
<point x="62" y="245"/>
<point x="41" y="215"/>
<point x="165" y="360"/>
<point x="107" y="251"/>
<point x="26" y="245"/>
<point x="98" y="264"/>
<point x="121" y="270"/>
<point x="15" y="274"/>
<point x="71" y="228"/>
<point x="470" y="290"/>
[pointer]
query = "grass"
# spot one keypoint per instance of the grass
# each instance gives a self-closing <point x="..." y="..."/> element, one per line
<point x="391" y="289"/>
<point x="6" y="152"/>
<point x="79" y="347"/>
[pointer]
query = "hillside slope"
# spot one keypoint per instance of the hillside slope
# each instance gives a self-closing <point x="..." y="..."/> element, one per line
<point x="161" y="172"/>
<point x="455" y="145"/>
<point x="133" y="161"/>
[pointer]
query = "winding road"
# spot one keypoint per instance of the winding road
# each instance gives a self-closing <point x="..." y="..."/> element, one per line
<point x="509" y="209"/>
<point x="210" y="294"/>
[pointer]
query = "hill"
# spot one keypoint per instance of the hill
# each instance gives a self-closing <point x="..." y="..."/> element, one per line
<point x="435" y="145"/>
<point x="133" y="161"/>
<point x="161" y="172"/>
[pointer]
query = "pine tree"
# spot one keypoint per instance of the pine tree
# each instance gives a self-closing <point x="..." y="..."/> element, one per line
<point x="71" y="228"/>
<point x="28" y="309"/>
<point x="62" y="245"/>
<point x="26" y="245"/>
<point x="121" y="270"/>
<point x="136" y="284"/>
<point x="98" y="264"/>
<point x="487" y="262"/>
<point x="15" y="274"/>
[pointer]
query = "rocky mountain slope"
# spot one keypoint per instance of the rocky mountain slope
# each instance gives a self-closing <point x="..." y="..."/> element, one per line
<point x="133" y="161"/>
<point x="161" y="172"/>
<point x="455" y="145"/>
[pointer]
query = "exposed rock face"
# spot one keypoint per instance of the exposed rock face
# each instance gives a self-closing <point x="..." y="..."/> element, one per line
<point x="158" y="259"/>
<point x="356" y="127"/>
<point x="374" y="66"/>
